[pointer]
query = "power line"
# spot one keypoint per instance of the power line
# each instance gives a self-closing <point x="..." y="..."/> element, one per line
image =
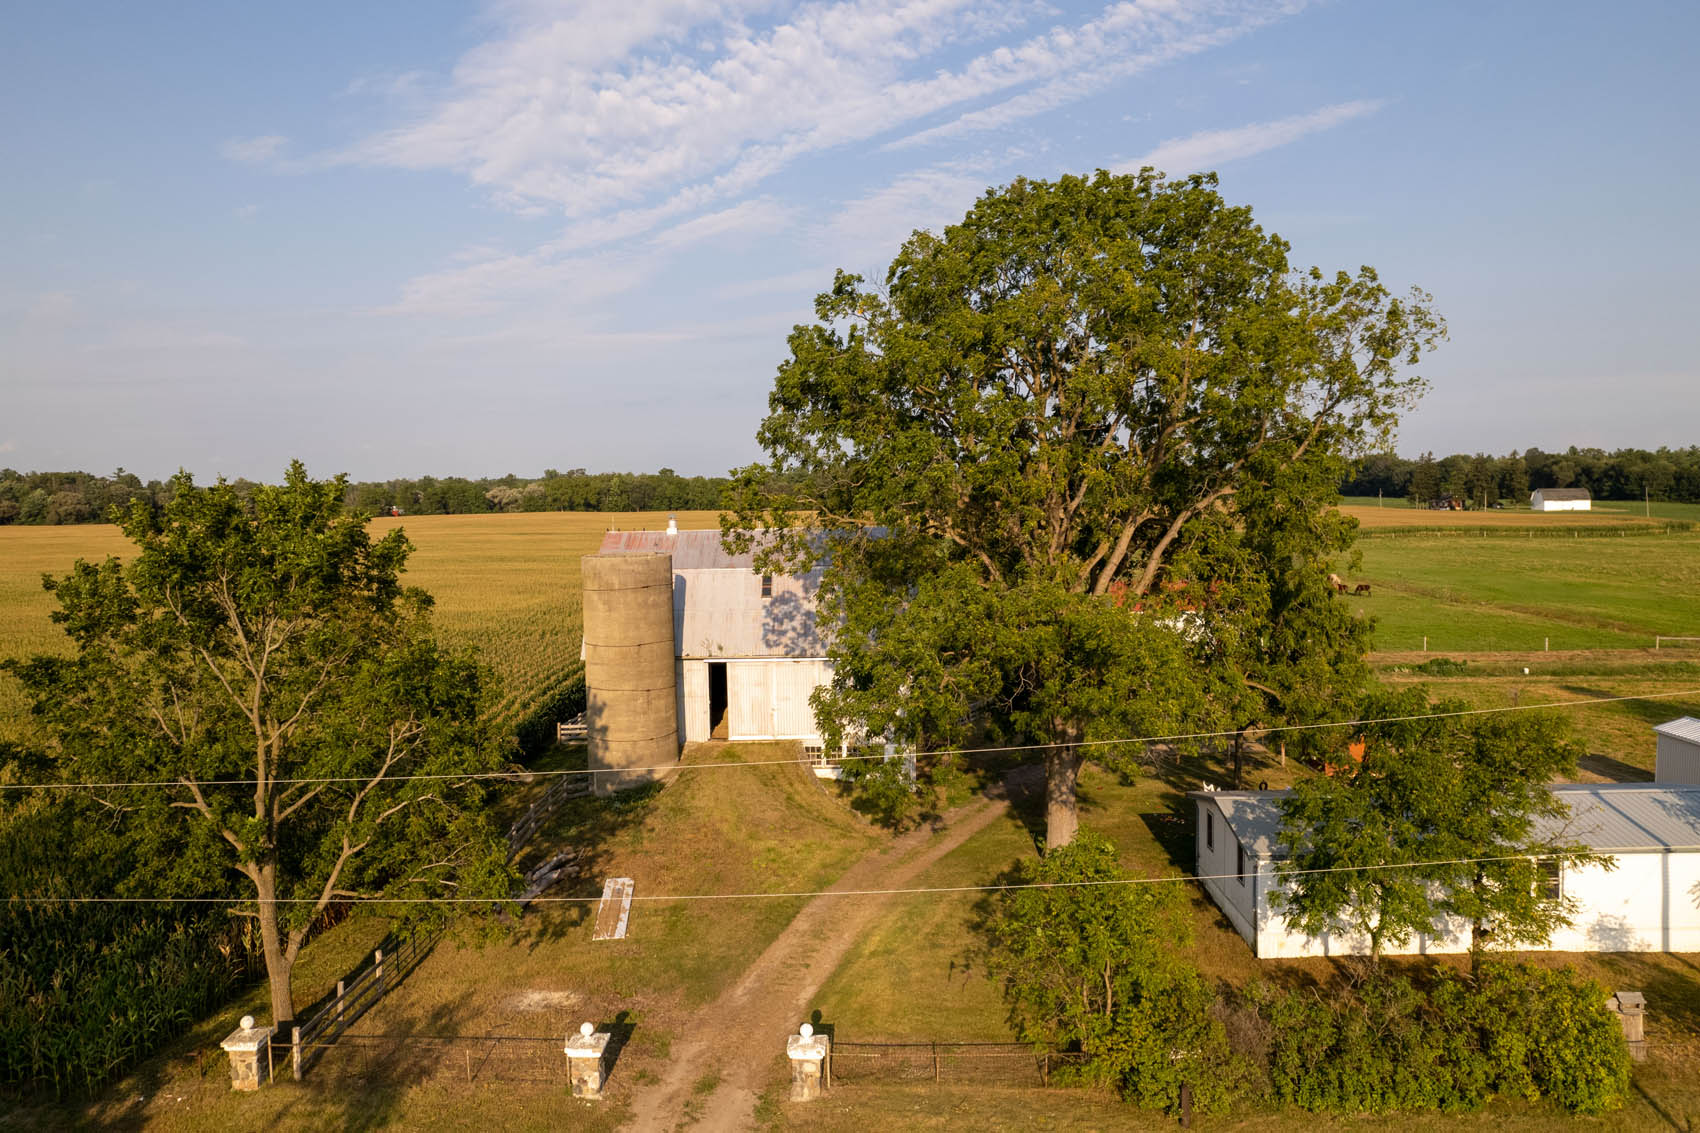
<point x="790" y="894"/>
<point x="667" y="767"/>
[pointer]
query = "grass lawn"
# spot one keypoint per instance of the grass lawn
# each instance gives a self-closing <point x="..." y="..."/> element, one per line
<point x="1502" y="594"/>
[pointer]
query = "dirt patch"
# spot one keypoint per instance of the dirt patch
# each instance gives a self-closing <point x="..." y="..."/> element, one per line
<point x="544" y="1000"/>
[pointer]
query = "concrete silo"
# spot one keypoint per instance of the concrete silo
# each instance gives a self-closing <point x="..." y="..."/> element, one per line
<point x="631" y="707"/>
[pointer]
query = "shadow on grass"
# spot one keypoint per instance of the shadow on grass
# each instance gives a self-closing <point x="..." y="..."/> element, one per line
<point x="1614" y="769"/>
<point x="1650" y="711"/>
<point x="587" y="825"/>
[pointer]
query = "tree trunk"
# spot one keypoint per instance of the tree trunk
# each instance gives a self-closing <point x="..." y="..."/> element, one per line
<point x="1239" y="759"/>
<point x="1062" y="772"/>
<point x="278" y="964"/>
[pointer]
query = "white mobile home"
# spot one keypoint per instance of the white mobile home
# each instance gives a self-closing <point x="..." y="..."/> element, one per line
<point x="1560" y="499"/>
<point x="1648" y="903"/>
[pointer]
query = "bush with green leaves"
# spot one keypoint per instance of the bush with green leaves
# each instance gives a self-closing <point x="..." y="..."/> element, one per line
<point x="1095" y="965"/>
<point x="1513" y="1031"/>
<point x="882" y="790"/>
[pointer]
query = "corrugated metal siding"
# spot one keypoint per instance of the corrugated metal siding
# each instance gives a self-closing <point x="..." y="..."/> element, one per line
<point x="1677" y="761"/>
<point x="721" y="613"/>
<point x="693" y="700"/>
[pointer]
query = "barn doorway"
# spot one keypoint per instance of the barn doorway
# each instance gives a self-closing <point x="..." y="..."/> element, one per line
<point x="717" y="700"/>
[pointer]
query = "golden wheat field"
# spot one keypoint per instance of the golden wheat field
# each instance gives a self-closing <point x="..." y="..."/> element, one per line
<point x="508" y="585"/>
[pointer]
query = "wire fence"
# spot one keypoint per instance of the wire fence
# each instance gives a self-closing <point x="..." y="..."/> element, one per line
<point x="983" y="1063"/>
<point x="439" y="1059"/>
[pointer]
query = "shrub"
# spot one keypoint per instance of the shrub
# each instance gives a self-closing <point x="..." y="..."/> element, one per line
<point x="882" y="790"/>
<point x="1516" y="1031"/>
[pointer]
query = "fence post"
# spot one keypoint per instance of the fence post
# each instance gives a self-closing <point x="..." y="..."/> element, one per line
<point x="339" y="1001"/>
<point x="935" y="1062"/>
<point x="378" y="970"/>
<point x="295" y="1051"/>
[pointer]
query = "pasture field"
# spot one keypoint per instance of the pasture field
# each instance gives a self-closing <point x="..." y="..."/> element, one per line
<point x="507" y="585"/>
<point x="1468" y="593"/>
<point x="1607" y="509"/>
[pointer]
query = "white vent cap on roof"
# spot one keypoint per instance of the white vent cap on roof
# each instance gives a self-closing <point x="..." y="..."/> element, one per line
<point x="672" y="525"/>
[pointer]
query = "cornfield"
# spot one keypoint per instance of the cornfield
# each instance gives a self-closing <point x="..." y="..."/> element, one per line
<point x="507" y="585"/>
<point x="86" y="991"/>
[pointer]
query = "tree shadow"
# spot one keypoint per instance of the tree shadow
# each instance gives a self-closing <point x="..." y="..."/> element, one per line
<point x="1614" y="769"/>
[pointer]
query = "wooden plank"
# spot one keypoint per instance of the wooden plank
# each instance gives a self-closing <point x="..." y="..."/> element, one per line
<point x="614" y="910"/>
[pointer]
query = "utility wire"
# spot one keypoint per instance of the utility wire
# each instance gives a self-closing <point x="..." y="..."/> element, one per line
<point x="790" y="894"/>
<point x="533" y="775"/>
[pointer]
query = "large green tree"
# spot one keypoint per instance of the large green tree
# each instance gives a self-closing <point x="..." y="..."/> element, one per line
<point x="1446" y="819"/>
<point x="1056" y="413"/>
<point x="258" y="656"/>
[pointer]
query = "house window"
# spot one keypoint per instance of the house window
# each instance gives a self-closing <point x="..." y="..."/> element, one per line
<point x="1209" y="831"/>
<point x="1549" y="880"/>
<point x="767" y="586"/>
<point x="1239" y="861"/>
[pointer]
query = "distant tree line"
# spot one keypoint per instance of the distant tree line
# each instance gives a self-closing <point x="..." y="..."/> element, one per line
<point x="1665" y="474"/>
<point x="50" y="498"/>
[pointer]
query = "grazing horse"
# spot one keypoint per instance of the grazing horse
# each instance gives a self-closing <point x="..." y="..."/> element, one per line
<point x="1361" y="588"/>
<point x="1337" y="582"/>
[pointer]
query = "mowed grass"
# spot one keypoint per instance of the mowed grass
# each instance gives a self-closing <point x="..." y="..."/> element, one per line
<point x="1510" y="594"/>
<point x="507" y="585"/>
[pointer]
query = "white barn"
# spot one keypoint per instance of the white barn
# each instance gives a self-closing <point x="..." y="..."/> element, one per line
<point x="748" y="648"/>
<point x="1649" y="903"/>
<point x="1560" y="499"/>
<point x="1678" y="751"/>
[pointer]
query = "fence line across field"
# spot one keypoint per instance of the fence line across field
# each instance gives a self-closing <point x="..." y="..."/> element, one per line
<point x="1661" y="638"/>
<point x="986" y="1063"/>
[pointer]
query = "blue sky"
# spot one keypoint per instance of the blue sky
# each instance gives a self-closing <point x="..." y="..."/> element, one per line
<point x="461" y="239"/>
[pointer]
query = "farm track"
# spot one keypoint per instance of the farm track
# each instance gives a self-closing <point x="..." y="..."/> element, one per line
<point x="739" y="1038"/>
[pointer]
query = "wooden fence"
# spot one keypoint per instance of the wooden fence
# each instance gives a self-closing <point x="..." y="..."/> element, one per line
<point x="355" y="995"/>
<point x="563" y="788"/>
<point x="572" y="731"/>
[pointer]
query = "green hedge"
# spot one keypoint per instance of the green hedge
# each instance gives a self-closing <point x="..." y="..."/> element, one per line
<point x="1519" y="1031"/>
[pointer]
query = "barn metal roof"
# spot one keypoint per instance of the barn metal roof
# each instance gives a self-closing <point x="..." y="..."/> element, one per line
<point x="1562" y="493"/>
<point x="1682" y="728"/>
<point x="1609" y="818"/>
<point x="691" y="550"/>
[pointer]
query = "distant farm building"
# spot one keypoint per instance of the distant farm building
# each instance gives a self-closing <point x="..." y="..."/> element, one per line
<point x="684" y="642"/>
<point x="1647" y="904"/>
<point x="1560" y="499"/>
<point x="1678" y="751"/>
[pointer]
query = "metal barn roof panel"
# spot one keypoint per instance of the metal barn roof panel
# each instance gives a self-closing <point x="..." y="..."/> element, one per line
<point x="1609" y="818"/>
<point x="1682" y="728"/>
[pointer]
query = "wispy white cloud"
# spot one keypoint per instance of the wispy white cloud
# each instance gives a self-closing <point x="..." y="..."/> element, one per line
<point x="610" y="107"/>
<point x="245" y="212"/>
<point x="260" y="150"/>
<point x="1211" y="148"/>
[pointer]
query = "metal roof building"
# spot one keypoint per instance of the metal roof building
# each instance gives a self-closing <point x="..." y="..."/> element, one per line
<point x="1678" y="751"/>
<point x="1646" y="902"/>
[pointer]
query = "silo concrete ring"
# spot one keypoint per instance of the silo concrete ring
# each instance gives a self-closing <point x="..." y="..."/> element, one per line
<point x="631" y="706"/>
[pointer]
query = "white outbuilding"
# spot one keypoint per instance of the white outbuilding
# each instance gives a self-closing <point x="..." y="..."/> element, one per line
<point x="1678" y="751"/>
<point x="1560" y="499"/>
<point x="1650" y="901"/>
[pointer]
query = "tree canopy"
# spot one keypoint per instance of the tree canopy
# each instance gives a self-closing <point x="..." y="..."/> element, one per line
<point x="1445" y="820"/>
<point x="1096" y="426"/>
<point x="259" y="655"/>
